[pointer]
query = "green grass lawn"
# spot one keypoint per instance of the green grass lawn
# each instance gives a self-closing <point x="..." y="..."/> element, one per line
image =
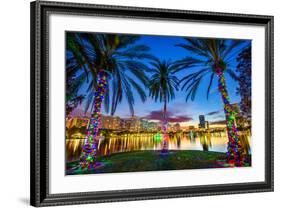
<point x="153" y="161"/>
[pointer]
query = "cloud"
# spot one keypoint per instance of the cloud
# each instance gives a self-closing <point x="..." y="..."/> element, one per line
<point x="158" y="115"/>
<point x="218" y="122"/>
<point x="213" y="113"/>
<point x="78" y="112"/>
<point x="222" y="116"/>
<point x="178" y="107"/>
<point x="179" y="119"/>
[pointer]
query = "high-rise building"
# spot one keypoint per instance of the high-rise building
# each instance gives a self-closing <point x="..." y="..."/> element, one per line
<point x="152" y="126"/>
<point x="77" y="122"/>
<point x="177" y="127"/>
<point x="135" y="124"/>
<point x="201" y="121"/>
<point x="109" y="122"/>
<point x="191" y="128"/>
<point x="143" y="124"/>
<point x="132" y="124"/>
<point x="207" y="125"/>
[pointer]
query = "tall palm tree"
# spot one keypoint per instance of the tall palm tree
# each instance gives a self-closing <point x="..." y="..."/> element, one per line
<point x="114" y="62"/>
<point x="163" y="84"/>
<point x="213" y="58"/>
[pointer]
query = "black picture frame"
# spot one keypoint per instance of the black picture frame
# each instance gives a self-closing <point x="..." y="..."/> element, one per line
<point x="40" y="196"/>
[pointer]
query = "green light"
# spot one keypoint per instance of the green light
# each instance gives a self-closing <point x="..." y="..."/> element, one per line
<point x="158" y="137"/>
<point x="89" y="158"/>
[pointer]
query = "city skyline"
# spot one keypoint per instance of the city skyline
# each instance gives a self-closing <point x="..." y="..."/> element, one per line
<point x="217" y="115"/>
<point x="196" y="124"/>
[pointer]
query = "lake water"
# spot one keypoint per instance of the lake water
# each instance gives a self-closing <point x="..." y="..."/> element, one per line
<point x="123" y="142"/>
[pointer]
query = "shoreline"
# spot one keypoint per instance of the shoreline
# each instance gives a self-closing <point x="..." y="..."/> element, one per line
<point x="150" y="160"/>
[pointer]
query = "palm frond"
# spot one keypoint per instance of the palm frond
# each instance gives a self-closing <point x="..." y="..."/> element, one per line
<point x="231" y="46"/>
<point x="210" y="85"/>
<point x="232" y="74"/>
<point x="89" y="100"/>
<point x="129" y="94"/>
<point x="192" y="77"/>
<point x="139" y="89"/>
<point x="192" y="88"/>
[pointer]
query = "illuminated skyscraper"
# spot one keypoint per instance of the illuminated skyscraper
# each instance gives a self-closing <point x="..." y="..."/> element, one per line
<point x="201" y="121"/>
<point x="207" y="125"/>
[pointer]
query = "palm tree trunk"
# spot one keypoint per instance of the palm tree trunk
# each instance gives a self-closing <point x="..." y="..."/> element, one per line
<point x="165" y="127"/>
<point x="89" y="151"/>
<point x="234" y="150"/>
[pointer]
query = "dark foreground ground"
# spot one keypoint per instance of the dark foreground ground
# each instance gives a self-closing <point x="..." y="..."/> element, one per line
<point x="153" y="161"/>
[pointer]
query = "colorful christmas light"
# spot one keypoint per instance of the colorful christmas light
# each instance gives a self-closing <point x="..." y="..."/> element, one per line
<point x="89" y="151"/>
<point x="234" y="150"/>
<point x="157" y="137"/>
<point x="165" y="134"/>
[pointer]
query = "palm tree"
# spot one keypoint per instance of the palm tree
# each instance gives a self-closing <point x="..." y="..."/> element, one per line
<point x="162" y="86"/>
<point x="114" y="62"/>
<point x="74" y="77"/>
<point x="214" y="58"/>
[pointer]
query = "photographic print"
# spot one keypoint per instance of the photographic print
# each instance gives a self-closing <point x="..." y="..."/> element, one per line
<point x="129" y="93"/>
<point x="150" y="103"/>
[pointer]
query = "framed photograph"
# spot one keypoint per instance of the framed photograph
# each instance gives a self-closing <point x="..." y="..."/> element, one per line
<point x="132" y="103"/>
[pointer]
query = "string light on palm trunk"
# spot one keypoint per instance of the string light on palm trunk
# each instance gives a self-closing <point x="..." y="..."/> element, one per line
<point x="234" y="150"/>
<point x="89" y="151"/>
<point x="165" y="135"/>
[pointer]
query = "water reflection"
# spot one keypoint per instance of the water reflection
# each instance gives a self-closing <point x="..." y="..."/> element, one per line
<point x="123" y="142"/>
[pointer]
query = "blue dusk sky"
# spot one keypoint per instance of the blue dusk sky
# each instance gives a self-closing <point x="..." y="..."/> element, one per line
<point x="186" y="113"/>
